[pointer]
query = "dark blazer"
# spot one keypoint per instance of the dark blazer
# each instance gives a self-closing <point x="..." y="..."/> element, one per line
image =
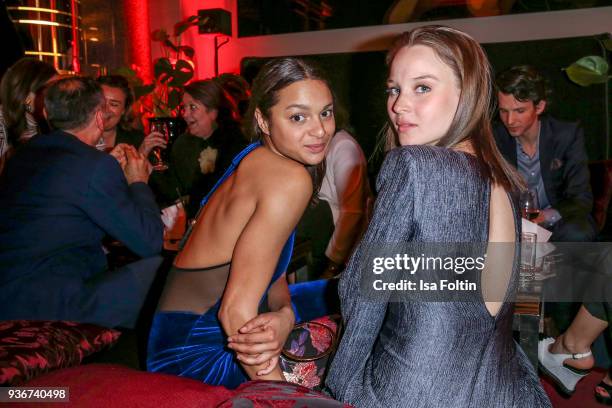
<point x="563" y="163"/>
<point x="58" y="198"/>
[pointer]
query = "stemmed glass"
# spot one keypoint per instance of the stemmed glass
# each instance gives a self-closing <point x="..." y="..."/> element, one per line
<point x="530" y="208"/>
<point x="162" y="128"/>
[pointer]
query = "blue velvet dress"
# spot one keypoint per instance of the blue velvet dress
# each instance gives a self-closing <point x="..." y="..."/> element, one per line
<point x="193" y="345"/>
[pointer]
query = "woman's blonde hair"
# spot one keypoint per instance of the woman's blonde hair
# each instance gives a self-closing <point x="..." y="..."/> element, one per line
<point x="472" y="121"/>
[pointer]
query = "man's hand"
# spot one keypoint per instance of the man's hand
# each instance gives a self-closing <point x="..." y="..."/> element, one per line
<point x="261" y="339"/>
<point x="118" y="153"/>
<point x="153" y="139"/>
<point x="137" y="167"/>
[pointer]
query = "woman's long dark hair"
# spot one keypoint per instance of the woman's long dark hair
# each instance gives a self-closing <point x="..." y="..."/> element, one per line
<point x="273" y="77"/>
<point x="472" y="121"/>
<point x="25" y="76"/>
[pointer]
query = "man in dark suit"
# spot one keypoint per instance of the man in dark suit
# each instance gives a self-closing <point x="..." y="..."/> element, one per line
<point x="550" y="154"/>
<point x="59" y="197"/>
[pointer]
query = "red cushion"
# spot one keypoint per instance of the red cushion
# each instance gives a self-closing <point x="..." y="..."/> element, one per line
<point x="109" y="385"/>
<point x="279" y="394"/>
<point x="29" y="348"/>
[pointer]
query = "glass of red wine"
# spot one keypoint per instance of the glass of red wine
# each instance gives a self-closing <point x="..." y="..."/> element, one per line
<point x="530" y="208"/>
<point x="160" y="164"/>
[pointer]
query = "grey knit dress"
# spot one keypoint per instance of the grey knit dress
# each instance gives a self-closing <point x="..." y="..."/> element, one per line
<point x="429" y="354"/>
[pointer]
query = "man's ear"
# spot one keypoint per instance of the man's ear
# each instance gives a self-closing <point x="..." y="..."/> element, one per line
<point x="540" y="107"/>
<point x="99" y="117"/>
<point x="262" y="122"/>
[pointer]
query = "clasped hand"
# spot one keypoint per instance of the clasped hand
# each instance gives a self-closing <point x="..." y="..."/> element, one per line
<point x="262" y="338"/>
<point x="135" y="166"/>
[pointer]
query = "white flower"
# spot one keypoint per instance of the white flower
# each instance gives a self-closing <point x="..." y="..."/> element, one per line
<point x="207" y="160"/>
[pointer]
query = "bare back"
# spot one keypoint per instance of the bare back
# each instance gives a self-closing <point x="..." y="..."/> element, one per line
<point x="202" y="269"/>
<point x="500" y="261"/>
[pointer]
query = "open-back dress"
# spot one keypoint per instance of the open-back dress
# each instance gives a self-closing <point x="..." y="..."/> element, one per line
<point x="194" y="345"/>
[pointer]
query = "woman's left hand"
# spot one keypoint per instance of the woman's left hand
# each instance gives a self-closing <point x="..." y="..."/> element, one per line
<point x="261" y="339"/>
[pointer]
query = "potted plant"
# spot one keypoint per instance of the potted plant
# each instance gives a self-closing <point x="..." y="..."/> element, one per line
<point x="174" y="69"/>
<point x="594" y="69"/>
<point x="159" y="101"/>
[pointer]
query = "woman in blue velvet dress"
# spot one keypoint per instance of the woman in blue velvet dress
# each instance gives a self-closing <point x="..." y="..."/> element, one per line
<point x="443" y="183"/>
<point x="226" y="312"/>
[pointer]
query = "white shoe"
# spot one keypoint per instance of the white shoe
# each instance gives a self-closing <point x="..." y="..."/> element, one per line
<point x="552" y="365"/>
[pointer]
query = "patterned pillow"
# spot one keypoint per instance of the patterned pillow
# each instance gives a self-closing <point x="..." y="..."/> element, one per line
<point x="31" y="347"/>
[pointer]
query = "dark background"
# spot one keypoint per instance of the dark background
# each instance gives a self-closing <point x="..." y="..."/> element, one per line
<point x="359" y="82"/>
<point x="261" y="17"/>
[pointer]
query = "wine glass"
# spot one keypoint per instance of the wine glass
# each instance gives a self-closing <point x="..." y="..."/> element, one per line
<point x="530" y="208"/>
<point x="162" y="128"/>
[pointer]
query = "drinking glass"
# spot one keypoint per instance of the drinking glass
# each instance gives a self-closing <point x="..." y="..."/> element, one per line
<point x="162" y="128"/>
<point x="528" y="256"/>
<point x="530" y="208"/>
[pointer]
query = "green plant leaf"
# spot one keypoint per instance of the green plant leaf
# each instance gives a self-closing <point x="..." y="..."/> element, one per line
<point x="183" y="72"/>
<point x="170" y="44"/>
<point x="182" y="26"/>
<point x="588" y="70"/>
<point x="188" y="51"/>
<point x="608" y="44"/>
<point x="161" y="111"/>
<point x="174" y="99"/>
<point x="159" y="35"/>
<point x="162" y="66"/>
<point x="140" y="91"/>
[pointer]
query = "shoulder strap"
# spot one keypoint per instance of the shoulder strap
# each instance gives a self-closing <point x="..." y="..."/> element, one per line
<point x="230" y="169"/>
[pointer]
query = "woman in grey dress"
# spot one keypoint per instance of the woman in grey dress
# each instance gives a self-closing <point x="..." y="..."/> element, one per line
<point x="444" y="183"/>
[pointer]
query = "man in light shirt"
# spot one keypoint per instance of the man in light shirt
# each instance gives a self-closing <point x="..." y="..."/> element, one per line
<point x="549" y="153"/>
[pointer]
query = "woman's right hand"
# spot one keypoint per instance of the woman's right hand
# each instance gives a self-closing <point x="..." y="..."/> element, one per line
<point x="152" y="140"/>
<point x="262" y="339"/>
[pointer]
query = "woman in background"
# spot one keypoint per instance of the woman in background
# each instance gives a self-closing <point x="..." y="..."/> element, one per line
<point x="200" y="155"/>
<point x="117" y="128"/>
<point x="212" y="323"/>
<point x="21" y="110"/>
<point x="447" y="183"/>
